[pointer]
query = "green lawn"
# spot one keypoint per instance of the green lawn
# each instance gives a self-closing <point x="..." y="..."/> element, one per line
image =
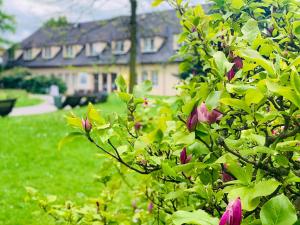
<point x="29" y="157"/>
<point x="23" y="98"/>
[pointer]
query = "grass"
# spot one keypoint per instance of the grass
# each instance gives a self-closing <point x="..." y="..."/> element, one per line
<point x="29" y="157"/>
<point x="23" y="98"/>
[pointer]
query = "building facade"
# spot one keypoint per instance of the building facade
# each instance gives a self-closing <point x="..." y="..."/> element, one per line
<point x="89" y="56"/>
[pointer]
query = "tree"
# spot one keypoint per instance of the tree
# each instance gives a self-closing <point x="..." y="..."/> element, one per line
<point x="7" y="24"/>
<point x="56" y="22"/>
<point x="133" y="49"/>
<point x="227" y="145"/>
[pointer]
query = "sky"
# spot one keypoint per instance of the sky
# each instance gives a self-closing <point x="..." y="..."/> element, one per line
<point x="31" y="14"/>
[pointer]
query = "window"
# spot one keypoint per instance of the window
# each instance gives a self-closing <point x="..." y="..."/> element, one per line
<point x="149" y="45"/>
<point x="28" y="54"/>
<point x="154" y="78"/>
<point x="144" y="76"/>
<point x="119" y="46"/>
<point x="47" y="52"/>
<point x="83" y="78"/>
<point x="69" y="51"/>
<point x="91" y="50"/>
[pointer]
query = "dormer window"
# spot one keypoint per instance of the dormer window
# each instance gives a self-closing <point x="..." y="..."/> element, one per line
<point x="95" y="48"/>
<point x="69" y="51"/>
<point x="149" y="45"/>
<point x="47" y="53"/>
<point x="28" y="54"/>
<point x="119" y="46"/>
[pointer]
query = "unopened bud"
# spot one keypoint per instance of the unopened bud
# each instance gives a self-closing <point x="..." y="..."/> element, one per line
<point x="86" y="125"/>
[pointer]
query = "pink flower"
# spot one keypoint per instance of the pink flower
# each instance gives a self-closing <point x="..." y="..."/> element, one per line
<point x="150" y="207"/>
<point x="192" y="120"/>
<point x="183" y="156"/>
<point x="233" y="214"/>
<point x="208" y="117"/>
<point x="230" y="74"/>
<point x="86" y="125"/>
<point x="137" y="126"/>
<point x="225" y="176"/>
<point x="146" y="103"/>
<point x="238" y="63"/>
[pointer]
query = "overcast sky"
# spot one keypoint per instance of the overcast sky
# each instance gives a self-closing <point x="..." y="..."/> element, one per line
<point x="30" y="14"/>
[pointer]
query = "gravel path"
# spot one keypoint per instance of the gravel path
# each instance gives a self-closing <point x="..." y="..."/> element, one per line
<point x="45" y="107"/>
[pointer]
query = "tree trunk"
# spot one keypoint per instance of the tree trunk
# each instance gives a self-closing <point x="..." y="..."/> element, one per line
<point x="133" y="49"/>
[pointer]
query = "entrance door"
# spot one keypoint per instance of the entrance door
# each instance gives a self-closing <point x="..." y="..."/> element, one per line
<point x="96" y="82"/>
<point x="113" y="81"/>
<point x="105" y="85"/>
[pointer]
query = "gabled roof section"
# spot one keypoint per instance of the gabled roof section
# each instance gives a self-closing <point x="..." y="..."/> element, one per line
<point x="161" y="23"/>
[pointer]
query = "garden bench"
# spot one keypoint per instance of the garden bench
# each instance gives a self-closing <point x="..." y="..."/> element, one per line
<point x="73" y="101"/>
<point x="87" y="99"/>
<point x="6" y="106"/>
<point x="101" y="97"/>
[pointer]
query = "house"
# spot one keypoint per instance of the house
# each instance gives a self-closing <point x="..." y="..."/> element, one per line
<point x="89" y="56"/>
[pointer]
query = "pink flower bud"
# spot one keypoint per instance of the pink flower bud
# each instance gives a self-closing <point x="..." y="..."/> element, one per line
<point x="146" y="103"/>
<point x="184" y="158"/>
<point x="206" y="116"/>
<point x="233" y="214"/>
<point x="238" y="63"/>
<point x="192" y="120"/>
<point x="231" y="74"/>
<point x="86" y="125"/>
<point x="150" y="207"/>
<point x="137" y="126"/>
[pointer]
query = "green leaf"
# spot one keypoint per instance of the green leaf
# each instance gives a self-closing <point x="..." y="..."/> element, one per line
<point x="250" y="30"/>
<point x="212" y="100"/>
<point x="286" y="92"/>
<point x="223" y="66"/>
<point x="295" y="81"/>
<point x="278" y="211"/>
<point x="265" y="188"/>
<point x="69" y="138"/>
<point x="94" y="116"/>
<point x="184" y="138"/>
<point x="168" y="170"/>
<point x="296" y="28"/>
<point x="199" y="217"/>
<point x="236" y="103"/>
<point x="237" y="4"/>
<point x="253" y="96"/>
<point x="254" y="56"/>
<point x="121" y="83"/>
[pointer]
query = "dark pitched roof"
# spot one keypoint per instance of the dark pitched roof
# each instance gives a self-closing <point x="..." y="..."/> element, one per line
<point x="161" y="23"/>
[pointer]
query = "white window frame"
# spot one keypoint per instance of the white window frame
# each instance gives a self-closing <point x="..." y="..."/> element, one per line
<point x="119" y="47"/>
<point x="149" y="45"/>
<point x="154" y="78"/>
<point x="47" y="52"/>
<point x="83" y="79"/>
<point x="28" y="54"/>
<point x="69" y="51"/>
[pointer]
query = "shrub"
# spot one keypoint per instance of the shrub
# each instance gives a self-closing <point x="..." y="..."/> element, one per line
<point x="14" y="78"/>
<point x="227" y="148"/>
<point x="41" y="84"/>
<point x="21" y="78"/>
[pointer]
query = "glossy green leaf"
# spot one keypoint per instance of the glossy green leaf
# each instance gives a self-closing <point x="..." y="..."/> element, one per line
<point x="236" y="104"/>
<point x="250" y="30"/>
<point x="212" y="100"/>
<point x="254" y="56"/>
<point x="199" y="217"/>
<point x="278" y="211"/>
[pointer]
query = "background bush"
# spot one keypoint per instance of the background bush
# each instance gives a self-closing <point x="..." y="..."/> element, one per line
<point x="21" y="78"/>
